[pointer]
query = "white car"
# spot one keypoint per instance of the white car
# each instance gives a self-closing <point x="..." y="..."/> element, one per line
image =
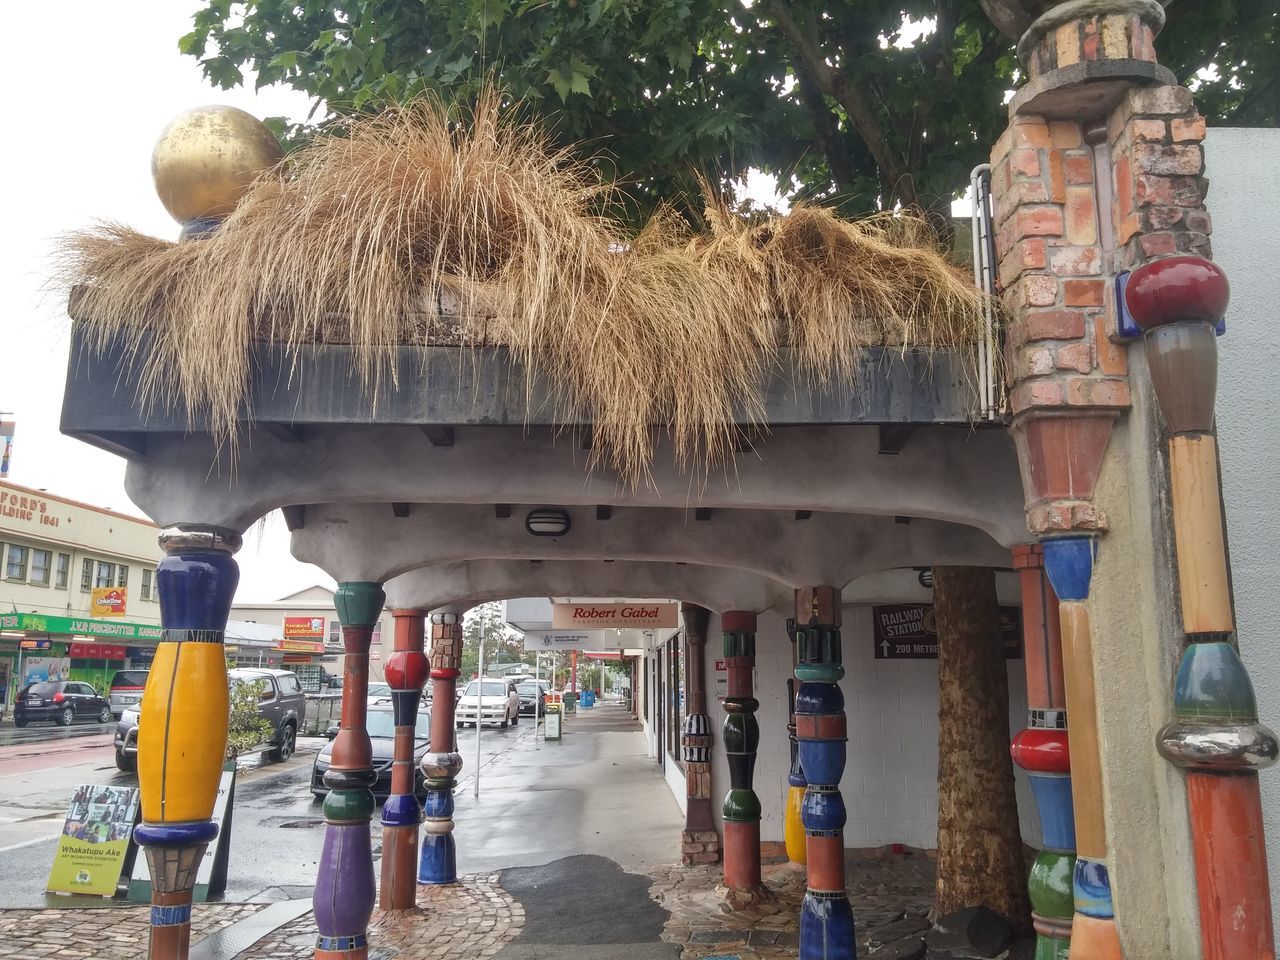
<point x="498" y="704"/>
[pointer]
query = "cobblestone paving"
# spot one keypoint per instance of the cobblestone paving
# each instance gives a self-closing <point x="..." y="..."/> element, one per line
<point x="768" y="928"/>
<point x="110" y="933"/>
<point x="468" y="921"/>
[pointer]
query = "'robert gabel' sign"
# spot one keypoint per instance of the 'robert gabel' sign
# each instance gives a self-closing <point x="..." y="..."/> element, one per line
<point x="908" y="631"/>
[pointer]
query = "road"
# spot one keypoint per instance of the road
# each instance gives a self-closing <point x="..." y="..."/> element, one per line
<point x="277" y="826"/>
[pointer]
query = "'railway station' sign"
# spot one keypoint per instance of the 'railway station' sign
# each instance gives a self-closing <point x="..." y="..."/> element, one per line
<point x="908" y="631"/>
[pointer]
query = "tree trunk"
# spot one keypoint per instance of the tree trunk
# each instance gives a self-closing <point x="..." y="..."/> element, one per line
<point x="980" y="860"/>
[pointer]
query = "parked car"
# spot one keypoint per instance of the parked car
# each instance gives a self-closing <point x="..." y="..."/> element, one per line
<point x="380" y="722"/>
<point x="60" y="701"/>
<point x="497" y="704"/>
<point x="126" y="690"/>
<point x="282" y="704"/>
<point x="533" y="697"/>
<point x="379" y="692"/>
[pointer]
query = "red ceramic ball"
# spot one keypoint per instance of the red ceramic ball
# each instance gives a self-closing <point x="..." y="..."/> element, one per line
<point x="1177" y="290"/>
<point x="1039" y="750"/>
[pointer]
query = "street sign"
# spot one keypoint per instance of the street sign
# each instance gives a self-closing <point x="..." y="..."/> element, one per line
<point x="95" y="838"/>
<point x="571" y="640"/>
<point x="908" y="631"/>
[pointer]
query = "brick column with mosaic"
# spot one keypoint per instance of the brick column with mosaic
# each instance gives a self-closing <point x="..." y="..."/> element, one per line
<point x="439" y="862"/>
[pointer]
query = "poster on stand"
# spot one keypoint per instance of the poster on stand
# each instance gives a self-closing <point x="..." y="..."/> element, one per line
<point x="95" y="838"/>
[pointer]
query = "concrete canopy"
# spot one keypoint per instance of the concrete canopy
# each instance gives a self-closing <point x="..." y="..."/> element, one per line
<point x="460" y="586"/>
<point x="944" y="473"/>
<point x="369" y="542"/>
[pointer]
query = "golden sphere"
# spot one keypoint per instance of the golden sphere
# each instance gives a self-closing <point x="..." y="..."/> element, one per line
<point x="206" y="158"/>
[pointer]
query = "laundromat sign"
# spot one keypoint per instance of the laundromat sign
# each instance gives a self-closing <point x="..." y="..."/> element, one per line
<point x="613" y="616"/>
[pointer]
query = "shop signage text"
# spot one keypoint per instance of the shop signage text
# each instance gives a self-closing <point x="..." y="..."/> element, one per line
<point x="109" y="601"/>
<point x="304" y="627"/>
<point x="908" y="631"/>
<point x="38" y="623"/>
<point x="613" y="616"/>
<point x="291" y="645"/>
<point x="28" y="509"/>
<point x="570" y="640"/>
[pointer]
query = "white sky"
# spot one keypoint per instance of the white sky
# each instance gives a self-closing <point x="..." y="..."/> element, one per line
<point x="94" y="83"/>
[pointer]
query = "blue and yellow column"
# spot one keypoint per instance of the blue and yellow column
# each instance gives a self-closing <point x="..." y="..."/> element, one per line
<point x="182" y="742"/>
<point x="344" y="895"/>
<point x="826" y="917"/>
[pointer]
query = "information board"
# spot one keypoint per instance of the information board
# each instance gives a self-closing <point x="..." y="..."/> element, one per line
<point x="95" y="838"/>
<point x="908" y="631"/>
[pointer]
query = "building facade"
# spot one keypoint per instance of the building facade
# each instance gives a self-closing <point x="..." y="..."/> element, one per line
<point x="78" y="596"/>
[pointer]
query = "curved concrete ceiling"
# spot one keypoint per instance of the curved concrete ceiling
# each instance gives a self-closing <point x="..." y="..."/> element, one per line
<point x="368" y="542"/>
<point x="943" y="473"/>
<point x="460" y="586"/>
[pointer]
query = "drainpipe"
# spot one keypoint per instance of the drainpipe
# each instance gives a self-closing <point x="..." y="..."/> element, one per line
<point x="984" y="279"/>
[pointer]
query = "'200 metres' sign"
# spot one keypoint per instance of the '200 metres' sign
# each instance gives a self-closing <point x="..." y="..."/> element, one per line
<point x="907" y="631"/>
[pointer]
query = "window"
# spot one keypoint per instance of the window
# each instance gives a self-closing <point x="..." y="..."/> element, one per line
<point x="15" y="567"/>
<point x="122" y="575"/>
<point x="106" y="574"/>
<point x="41" y="564"/>
<point x="146" y="583"/>
<point x="86" y="576"/>
<point x="63" y="571"/>
<point x="290" y="685"/>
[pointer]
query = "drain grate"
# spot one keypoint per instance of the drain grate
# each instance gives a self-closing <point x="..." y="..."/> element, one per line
<point x="231" y="941"/>
<point x="294" y="823"/>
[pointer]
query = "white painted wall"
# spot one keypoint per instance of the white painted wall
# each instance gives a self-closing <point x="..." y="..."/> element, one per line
<point x="1244" y="200"/>
<point x="890" y="783"/>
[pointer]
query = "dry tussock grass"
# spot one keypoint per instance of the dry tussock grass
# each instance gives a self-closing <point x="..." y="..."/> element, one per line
<point x="359" y="239"/>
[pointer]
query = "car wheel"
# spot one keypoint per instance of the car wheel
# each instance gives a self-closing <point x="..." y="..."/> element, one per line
<point x="19" y="723"/>
<point x="105" y="715"/>
<point x="285" y="750"/>
<point x="66" y="717"/>
<point x="125" y="762"/>
<point x="502" y="724"/>
<point x="515" y="719"/>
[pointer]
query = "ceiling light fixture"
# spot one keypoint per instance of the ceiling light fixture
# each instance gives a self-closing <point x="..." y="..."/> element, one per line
<point x="547" y="522"/>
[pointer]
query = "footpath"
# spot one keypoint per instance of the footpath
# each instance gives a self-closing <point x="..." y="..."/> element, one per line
<point x="571" y="851"/>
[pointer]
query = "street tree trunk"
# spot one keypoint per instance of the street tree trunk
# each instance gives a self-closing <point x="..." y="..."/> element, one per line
<point x="980" y="860"/>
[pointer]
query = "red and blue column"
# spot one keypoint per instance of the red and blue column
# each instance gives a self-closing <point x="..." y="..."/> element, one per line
<point x="826" y="917"/>
<point x="439" y="863"/>
<point x="345" y="895"/>
<point x="1215" y="734"/>
<point x="405" y="671"/>
<point x="741" y="733"/>
<point x="1042" y="750"/>
<point x="182" y="746"/>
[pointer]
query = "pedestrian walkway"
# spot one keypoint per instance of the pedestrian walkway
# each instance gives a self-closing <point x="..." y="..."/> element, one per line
<point x="571" y="852"/>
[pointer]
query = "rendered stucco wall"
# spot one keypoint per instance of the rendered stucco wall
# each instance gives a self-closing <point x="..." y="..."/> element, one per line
<point x="890" y="784"/>
<point x="1244" y="198"/>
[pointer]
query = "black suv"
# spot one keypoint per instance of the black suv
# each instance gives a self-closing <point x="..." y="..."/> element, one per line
<point x="60" y="701"/>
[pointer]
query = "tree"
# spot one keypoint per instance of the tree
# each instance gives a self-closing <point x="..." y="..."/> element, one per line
<point x="980" y="858"/>
<point x="857" y="103"/>
<point x="502" y="644"/>
<point x="246" y="726"/>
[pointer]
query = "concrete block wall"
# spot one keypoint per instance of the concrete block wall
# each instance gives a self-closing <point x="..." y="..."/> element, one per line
<point x="890" y="783"/>
<point x="1244" y="195"/>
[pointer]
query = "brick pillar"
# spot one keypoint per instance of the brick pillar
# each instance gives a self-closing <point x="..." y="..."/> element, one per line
<point x="699" y="841"/>
<point x="442" y="765"/>
<point x="344" y="894"/>
<point x="741" y="735"/>
<point x="182" y="746"/>
<point x="405" y="670"/>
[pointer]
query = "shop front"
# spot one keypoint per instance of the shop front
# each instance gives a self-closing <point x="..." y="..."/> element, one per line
<point x="36" y="647"/>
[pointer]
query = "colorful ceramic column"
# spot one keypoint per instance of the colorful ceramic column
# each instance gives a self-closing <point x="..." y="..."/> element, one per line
<point x="1215" y="734"/>
<point x="344" y="895"/>
<point x="826" y="918"/>
<point x="439" y="862"/>
<point x="699" y="841"/>
<point x="1068" y="561"/>
<point x="793" y="823"/>
<point x="741" y="734"/>
<point x="405" y="670"/>
<point x="1042" y="751"/>
<point x="183" y="743"/>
